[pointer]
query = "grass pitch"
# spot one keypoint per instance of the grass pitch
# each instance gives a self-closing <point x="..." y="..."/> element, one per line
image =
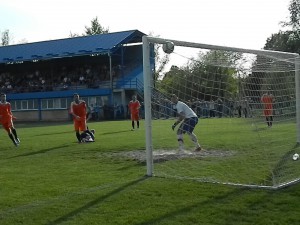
<point x="51" y="179"/>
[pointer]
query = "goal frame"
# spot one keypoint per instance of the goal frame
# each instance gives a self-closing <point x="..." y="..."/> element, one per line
<point x="148" y="81"/>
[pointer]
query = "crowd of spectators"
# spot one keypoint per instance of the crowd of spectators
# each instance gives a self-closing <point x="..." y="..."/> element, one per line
<point x="207" y="109"/>
<point x="63" y="78"/>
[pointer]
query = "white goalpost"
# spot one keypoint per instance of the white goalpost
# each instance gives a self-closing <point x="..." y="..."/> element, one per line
<point x="242" y="143"/>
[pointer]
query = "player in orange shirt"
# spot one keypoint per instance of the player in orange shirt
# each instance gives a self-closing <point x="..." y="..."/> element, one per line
<point x="78" y="110"/>
<point x="6" y="118"/>
<point x="134" y="108"/>
<point x="268" y="99"/>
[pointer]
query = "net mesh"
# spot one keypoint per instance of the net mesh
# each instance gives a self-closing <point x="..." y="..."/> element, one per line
<point x="225" y="89"/>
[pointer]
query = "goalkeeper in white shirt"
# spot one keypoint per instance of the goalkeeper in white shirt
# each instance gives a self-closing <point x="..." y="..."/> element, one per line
<point x="187" y="119"/>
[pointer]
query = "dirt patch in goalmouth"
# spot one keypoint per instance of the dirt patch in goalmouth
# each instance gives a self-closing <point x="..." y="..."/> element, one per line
<point x="166" y="155"/>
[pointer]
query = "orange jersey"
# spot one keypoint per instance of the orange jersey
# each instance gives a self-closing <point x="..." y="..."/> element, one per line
<point x="6" y="116"/>
<point x="267" y="100"/>
<point x="134" y="106"/>
<point x="79" y="109"/>
<point x="5" y="111"/>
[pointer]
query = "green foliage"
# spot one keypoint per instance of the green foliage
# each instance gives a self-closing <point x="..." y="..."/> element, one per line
<point x="294" y="9"/>
<point x="5" y="38"/>
<point x="289" y="40"/>
<point x="95" y="28"/>
<point x="286" y="41"/>
<point x="161" y="60"/>
<point x="213" y="74"/>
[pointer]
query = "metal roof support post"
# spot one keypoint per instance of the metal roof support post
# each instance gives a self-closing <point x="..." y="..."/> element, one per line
<point x="122" y="62"/>
<point x="111" y="80"/>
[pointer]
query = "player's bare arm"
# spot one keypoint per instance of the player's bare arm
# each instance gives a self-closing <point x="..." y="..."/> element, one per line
<point x="181" y="117"/>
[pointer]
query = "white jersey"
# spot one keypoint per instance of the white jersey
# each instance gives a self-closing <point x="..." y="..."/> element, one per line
<point x="183" y="108"/>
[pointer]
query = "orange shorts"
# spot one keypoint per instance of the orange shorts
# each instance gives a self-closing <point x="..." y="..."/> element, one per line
<point x="80" y="125"/>
<point x="135" y="116"/>
<point x="7" y="124"/>
<point x="268" y="112"/>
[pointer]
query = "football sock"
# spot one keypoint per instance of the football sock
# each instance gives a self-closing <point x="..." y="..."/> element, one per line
<point x="180" y="141"/>
<point x="138" y="124"/>
<point x="13" y="130"/>
<point x="12" y="138"/>
<point x="78" y="136"/>
<point x="271" y="120"/>
<point x="132" y="124"/>
<point x="267" y="119"/>
<point x="194" y="139"/>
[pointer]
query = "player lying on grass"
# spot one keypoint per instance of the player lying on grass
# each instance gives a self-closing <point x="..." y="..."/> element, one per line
<point x="86" y="137"/>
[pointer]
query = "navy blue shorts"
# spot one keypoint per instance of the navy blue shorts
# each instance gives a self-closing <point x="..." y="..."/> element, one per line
<point x="187" y="125"/>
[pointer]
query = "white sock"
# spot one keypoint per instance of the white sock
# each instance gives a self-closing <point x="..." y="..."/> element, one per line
<point x="194" y="139"/>
<point x="180" y="141"/>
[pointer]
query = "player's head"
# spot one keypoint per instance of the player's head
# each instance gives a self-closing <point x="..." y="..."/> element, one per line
<point x="3" y="97"/>
<point x="174" y="98"/>
<point x="76" y="97"/>
<point x="134" y="97"/>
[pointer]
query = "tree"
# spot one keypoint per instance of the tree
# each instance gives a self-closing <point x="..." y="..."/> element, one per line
<point x="5" y="38"/>
<point x="71" y="35"/>
<point x="161" y="60"/>
<point x="294" y="9"/>
<point x="95" y="28"/>
<point x="286" y="41"/>
<point x="211" y="74"/>
<point x="289" y="40"/>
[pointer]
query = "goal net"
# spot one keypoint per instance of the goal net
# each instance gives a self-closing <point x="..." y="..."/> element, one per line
<point x="243" y="140"/>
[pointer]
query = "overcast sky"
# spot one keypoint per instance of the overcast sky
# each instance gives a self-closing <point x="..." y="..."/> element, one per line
<point x="235" y="23"/>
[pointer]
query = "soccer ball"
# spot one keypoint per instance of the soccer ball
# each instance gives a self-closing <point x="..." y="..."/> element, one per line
<point x="168" y="47"/>
<point x="295" y="156"/>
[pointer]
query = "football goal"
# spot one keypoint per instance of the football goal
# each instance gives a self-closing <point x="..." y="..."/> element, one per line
<point x="247" y="104"/>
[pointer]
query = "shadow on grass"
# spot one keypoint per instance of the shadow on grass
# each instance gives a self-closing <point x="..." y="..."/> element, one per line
<point x="257" y="129"/>
<point x="210" y="203"/>
<point x="116" y="132"/>
<point x="39" y="152"/>
<point x="41" y="124"/>
<point x="229" y="200"/>
<point x="53" y="133"/>
<point x="130" y="166"/>
<point x="90" y="204"/>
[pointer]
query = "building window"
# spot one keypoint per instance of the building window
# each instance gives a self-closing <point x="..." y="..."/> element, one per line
<point x="55" y="103"/>
<point x="17" y="105"/>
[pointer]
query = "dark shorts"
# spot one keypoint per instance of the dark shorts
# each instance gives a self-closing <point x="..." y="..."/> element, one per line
<point x="187" y="125"/>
